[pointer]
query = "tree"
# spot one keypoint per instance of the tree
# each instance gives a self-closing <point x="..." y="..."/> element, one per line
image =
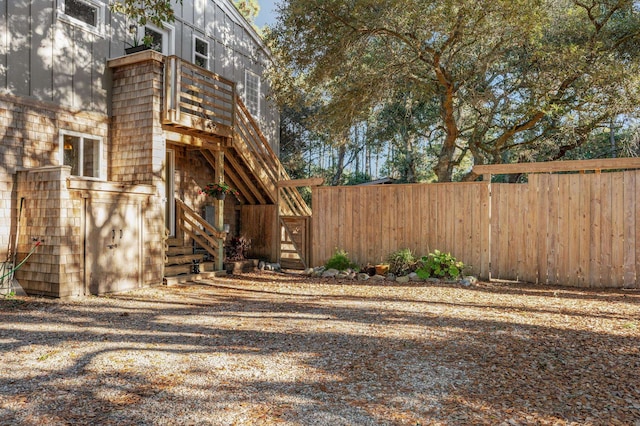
<point x="248" y="8"/>
<point x="509" y="79"/>
<point x="144" y="11"/>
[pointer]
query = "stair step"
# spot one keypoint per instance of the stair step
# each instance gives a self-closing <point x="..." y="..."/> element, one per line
<point x="181" y="269"/>
<point x="183" y="259"/>
<point x="178" y="250"/>
<point x="173" y="270"/>
<point x="179" y="279"/>
<point x="174" y="242"/>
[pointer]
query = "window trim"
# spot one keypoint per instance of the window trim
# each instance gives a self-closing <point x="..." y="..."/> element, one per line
<point x="195" y="54"/>
<point x="168" y="34"/>
<point x="98" y="29"/>
<point x="101" y="164"/>
<point x="247" y="73"/>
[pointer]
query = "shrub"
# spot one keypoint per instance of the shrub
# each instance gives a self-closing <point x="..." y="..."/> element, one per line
<point x="440" y="265"/>
<point x="340" y="261"/>
<point x="237" y="248"/>
<point x="401" y="262"/>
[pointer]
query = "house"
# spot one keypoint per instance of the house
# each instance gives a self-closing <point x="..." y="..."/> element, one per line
<point x="103" y="154"/>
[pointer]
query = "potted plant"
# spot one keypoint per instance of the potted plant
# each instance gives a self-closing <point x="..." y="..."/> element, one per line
<point x="137" y="44"/>
<point x="219" y="190"/>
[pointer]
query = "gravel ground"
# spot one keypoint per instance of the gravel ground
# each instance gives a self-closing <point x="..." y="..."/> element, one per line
<point x="262" y="349"/>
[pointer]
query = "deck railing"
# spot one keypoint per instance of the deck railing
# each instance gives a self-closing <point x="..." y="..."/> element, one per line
<point x="197" y="99"/>
<point x="203" y="103"/>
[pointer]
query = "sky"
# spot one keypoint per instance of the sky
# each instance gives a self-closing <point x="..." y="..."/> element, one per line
<point x="267" y="13"/>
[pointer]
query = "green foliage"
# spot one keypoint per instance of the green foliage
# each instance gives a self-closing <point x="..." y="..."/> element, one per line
<point x="356" y="178"/>
<point x="249" y="9"/>
<point x="144" y="11"/>
<point x="10" y="295"/>
<point x="440" y="265"/>
<point x="340" y="261"/>
<point x="490" y="81"/>
<point x="401" y="262"/>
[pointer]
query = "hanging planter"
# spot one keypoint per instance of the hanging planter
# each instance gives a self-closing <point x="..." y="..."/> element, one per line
<point x="219" y="190"/>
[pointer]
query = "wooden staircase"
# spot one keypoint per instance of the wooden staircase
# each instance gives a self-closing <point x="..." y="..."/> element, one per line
<point x="202" y="104"/>
<point x="180" y="260"/>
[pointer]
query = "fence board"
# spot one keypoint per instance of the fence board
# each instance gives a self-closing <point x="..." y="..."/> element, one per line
<point x="629" y="200"/>
<point x="542" y="210"/>
<point x="584" y="265"/>
<point x="606" y="230"/>
<point x="595" y="244"/>
<point x="484" y="226"/>
<point x="564" y="228"/>
<point x="495" y="224"/>
<point x="637" y="236"/>
<point x="617" y="229"/>
<point x="573" y="215"/>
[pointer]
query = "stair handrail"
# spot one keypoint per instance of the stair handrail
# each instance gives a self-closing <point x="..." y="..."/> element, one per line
<point x="292" y="198"/>
<point x="206" y="236"/>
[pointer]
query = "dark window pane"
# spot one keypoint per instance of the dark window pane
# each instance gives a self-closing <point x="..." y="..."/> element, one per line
<point x="81" y="11"/>
<point x="91" y="156"/>
<point x="156" y="39"/>
<point x="201" y="62"/>
<point x="202" y="47"/>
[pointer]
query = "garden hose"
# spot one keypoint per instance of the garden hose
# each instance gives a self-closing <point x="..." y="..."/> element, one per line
<point x="12" y="270"/>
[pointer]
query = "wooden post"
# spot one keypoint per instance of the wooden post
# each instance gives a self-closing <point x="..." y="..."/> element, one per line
<point x="219" y="205"/>
<point x="279" y="224"/>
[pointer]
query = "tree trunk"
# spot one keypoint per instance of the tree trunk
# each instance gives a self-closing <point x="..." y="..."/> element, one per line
<point x="339" y="165"/>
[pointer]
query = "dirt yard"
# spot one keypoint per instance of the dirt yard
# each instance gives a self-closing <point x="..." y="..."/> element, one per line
<point x="266" y="349"/>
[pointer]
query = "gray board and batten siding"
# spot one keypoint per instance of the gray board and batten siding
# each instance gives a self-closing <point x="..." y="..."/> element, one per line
<point x="48" y="58"/>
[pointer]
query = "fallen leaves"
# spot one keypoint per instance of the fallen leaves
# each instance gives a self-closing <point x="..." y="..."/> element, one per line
<point x="283" y="349"/>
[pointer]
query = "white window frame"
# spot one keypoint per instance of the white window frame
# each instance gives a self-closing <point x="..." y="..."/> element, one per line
<point x="168" y="37"/>
<point x="100" y="157"/>
<point x="253" y="109"/>
<point x="195" y="54"/>
<point x="98" y="29"/>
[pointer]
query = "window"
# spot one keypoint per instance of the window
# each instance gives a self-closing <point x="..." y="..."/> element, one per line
<point x="162" y="39"/>
<point x="252" y="92"/>
<point x="200" y="52"/>
<point x="88" y="14"/>
<point x="82" y="153"/>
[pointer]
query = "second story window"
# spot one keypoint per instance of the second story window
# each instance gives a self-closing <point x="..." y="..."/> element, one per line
<point x="88" y="14"/>
<point x="83" y="153"/>
<point x="200" y="52"/>
<point x="252" y="92"/>
<point x="162" y="39"/>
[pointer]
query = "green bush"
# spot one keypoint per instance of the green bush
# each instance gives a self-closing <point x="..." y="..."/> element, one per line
<point x="340" y="261"/>
<point x="440" y="265"/>
<point x="401" y="262"/>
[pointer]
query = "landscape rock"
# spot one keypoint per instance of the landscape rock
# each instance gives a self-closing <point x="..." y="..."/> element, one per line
<point x="330" y="273"/>
<point x="414" y="277"/>
<point x="363" y="277"/>
<point x="377" y="278"/>
<point x="469" y="281"/>
<point x="402" y="280"/>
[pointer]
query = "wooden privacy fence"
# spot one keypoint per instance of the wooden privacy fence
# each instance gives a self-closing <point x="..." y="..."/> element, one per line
<point x="370" y="222"/>
<point x="580" y="229"/>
